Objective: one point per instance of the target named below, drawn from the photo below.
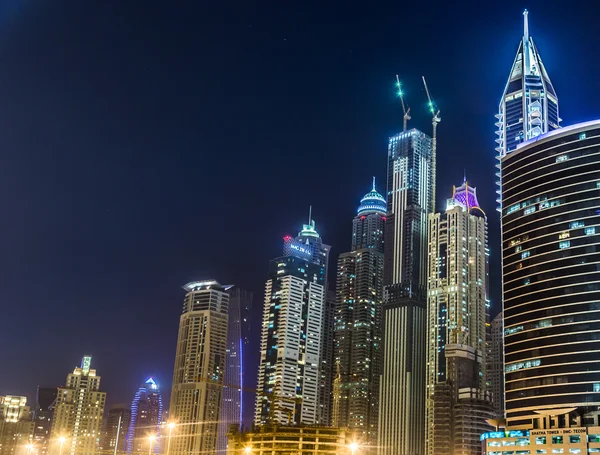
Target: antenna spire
(309, 214)
(373, 183)
(465, 176)
(526, 25)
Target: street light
(29, 448)
(171, 426)
(353, 447)
(248, 450)
(150, 444)
(62, 440)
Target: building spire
(526, 25)
(373, 183)
(309, 214)
(465, 176)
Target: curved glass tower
(551, 278)
(146, 416)
(529, 105)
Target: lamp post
(171, 426)
(150, 444)
(61, 440)
(29, 448)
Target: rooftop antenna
(373, 183)
(309, 214)
(526, 25)
(436, 119)
(406, 117)
(465, 177)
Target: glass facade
(551, 273)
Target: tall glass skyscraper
(290, 367)
(529, 105)
(409, 201)
(458, 400)
(146, 417)
(551, 279)
(357, 333)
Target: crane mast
(406, 113)
(436, 119)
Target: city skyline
(163, 359)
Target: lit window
(590, 230)
(529, 210)
(574, 440)
(564, 235)
(513, 208)
(540, 440)
(525, 254)
(565, 244)
(540, 451)
(596, 387)
(518, 248)
(575, 450)
(576, 224)
(558, 450)
(561, 158)
(582, 136)
(527, 281)
(557, 440)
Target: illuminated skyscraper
(199, 368)
(16, 426)
(115, 428)
(290, 350)
(146, 416)
(529, 105)
(458, 401)
(43, 418)
(551, 279)
(359, 299)
(496, 365)
(232, 407)
(78, 410)
(409, 201)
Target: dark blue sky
(146, 144)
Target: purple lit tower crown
(465, 196)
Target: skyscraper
(529, 105)
(146, 416)
(43, 418)
(409, 201)
(357, 345)
(199, 367)
(495, 372)
(232, 407)
(79, 409)
(551, 286)
(16, 426)
(290, 351)
(327, 366)
(116, 424)
(458, 402)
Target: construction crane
(401, 95)
(436, 119)
(270, 396)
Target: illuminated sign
(86, 362)
(301, 249)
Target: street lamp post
(150, 444)
(29, 448)
(61, 440)
(353, 448)
(171, 426)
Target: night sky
(147, 144)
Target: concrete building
(495, 373)
(289, 377)
(357, 334)
(401, 429)
(551, 282)
(114, 431)
(16, 425)
(42, 418)
(79, 410)
(297, 440)
(199, 367)
(458, 400)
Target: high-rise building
(232, 407)
(357, 331)
(43, 418)
(551, 283)
(200, 362)
(458, 401)
(529, 105)
(495, 373)
(16, 425)
(289, 376)
(401, 428)
(146, 416)
(327, 365)
(114, 432)
(78, 410)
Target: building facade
(146, 416)
(44, 410)
(297, 440)
(289, 378)
(114, 432)
(199, 367)
(357, 331)
(529, 105)
(495, 374)
(458, 400)
(79, 410)
(16, 425)
(401, 428)
(232, 407)
(551, 283)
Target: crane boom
(406, 113)
(436, 119)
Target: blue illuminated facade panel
(146, 416)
